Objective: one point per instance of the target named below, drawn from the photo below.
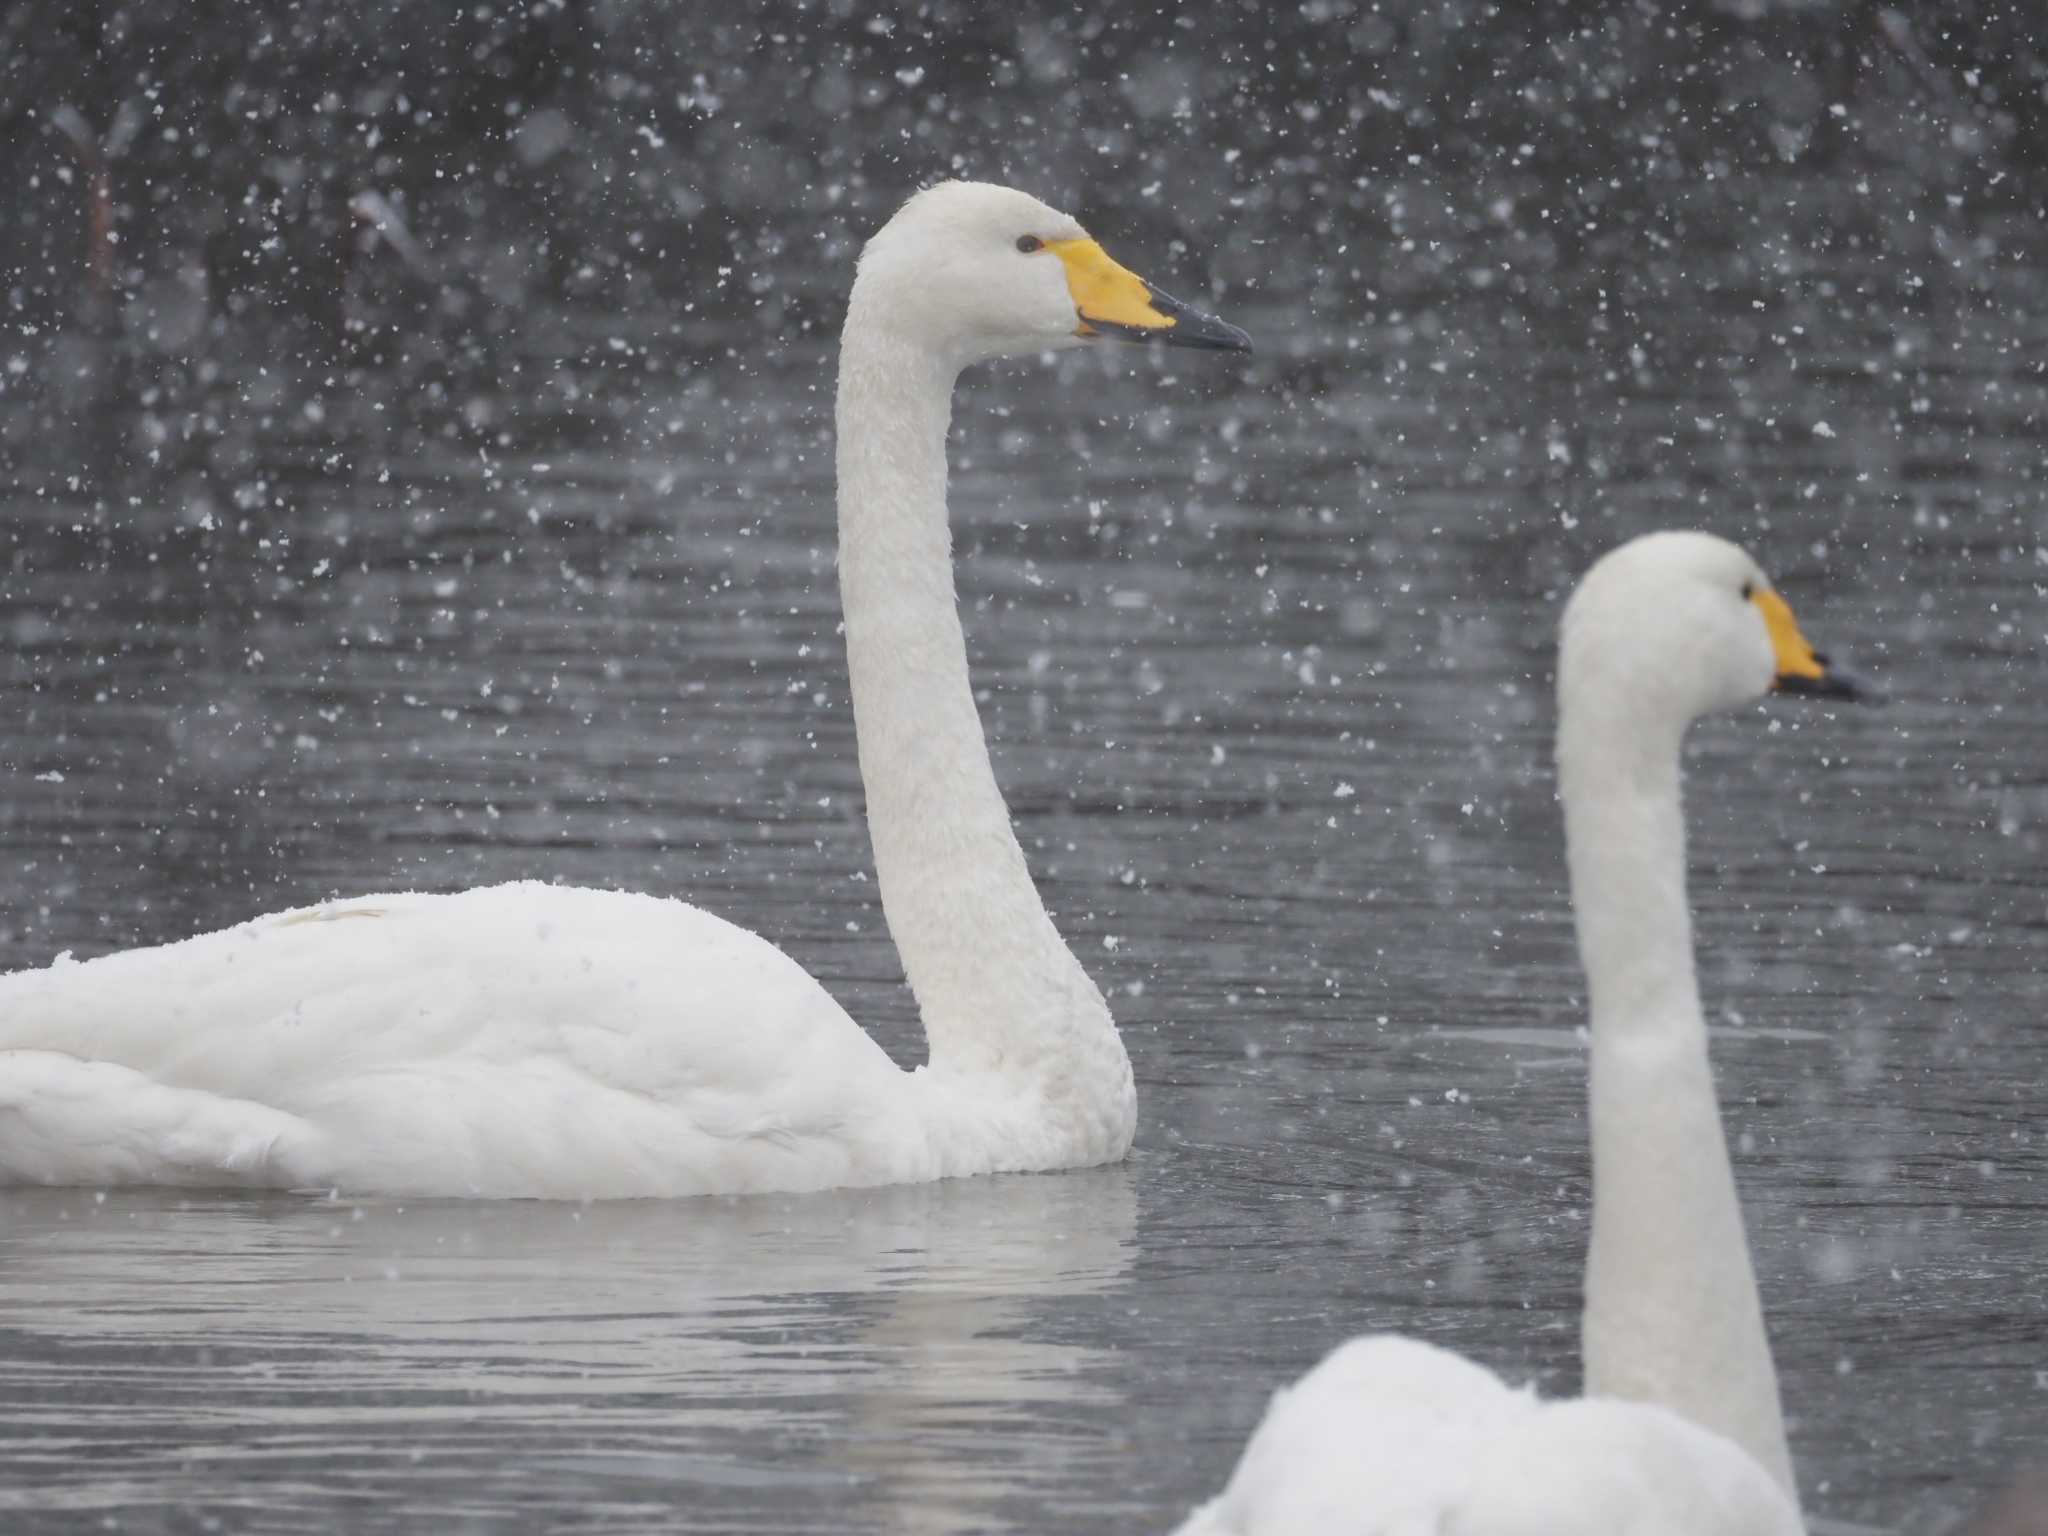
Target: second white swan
(530, 1040)
(1680, 1432)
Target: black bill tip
(1833, 683)
(1191, 327)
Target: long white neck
(1672, 1311)
(1001, 995)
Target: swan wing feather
(1393, 1437)
(1601, 1465)
(520, 1038)
(1376, 1440)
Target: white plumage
(519, 1039)
(1394, 1437)
(533, 1040)
(1680, 1432)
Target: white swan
(530, 1040)
(1679, 1433)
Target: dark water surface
(1266, 652)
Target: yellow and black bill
(1110, 300)
(1800, 668)
(1830, 683)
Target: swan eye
(1029, 243)
(1748, 590)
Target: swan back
(1394, 1437)
(1599, 1467)
(509, 1040)
(1381, 1437)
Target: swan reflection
(894, 1350)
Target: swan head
(975, 271)
(1674, 625)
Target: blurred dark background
(196, 191)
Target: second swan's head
(1673, 625)
(977, 271)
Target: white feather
(1680, 1433)
(531, 1040)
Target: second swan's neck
(1672, 1314)
(1002, 997)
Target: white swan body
(1679, 1433)
(1395, 1437)
(517, 1039)
(534, 1040)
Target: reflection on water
(816, 1354)
(1265, 655)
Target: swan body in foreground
(530, 1040)
(1680, 1432)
